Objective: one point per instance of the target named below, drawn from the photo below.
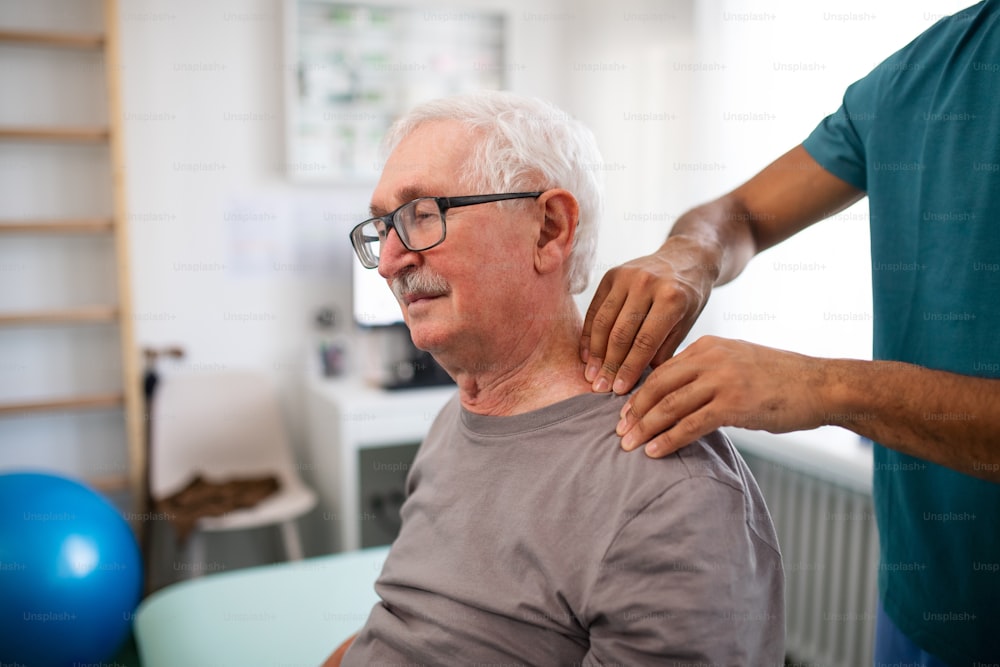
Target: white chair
(225, 425)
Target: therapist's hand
(720, 382)
(641, 312)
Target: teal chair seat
(294, 613)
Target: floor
(128, 655)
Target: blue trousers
(892, 647)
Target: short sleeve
(838, 143)
(687, 581)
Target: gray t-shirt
(535, 540)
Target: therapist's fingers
(696, 425)
(672, 421)
(649, 347)
(597, 323)
(670, 392)
(718, 382)
(629, 319)
(631, 345)
(648, 332)
(641, 312)
(616, 327)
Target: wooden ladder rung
(84, 402)
(61, 316)
(58, 226)
(73, 40)
(70, 134)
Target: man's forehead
(427, 162)
(406, 193)
(405, 177)
(421, 165)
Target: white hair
(527, 144)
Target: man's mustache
(419, 282)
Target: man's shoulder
(589, 448)
(714, 456)
(583, 428)
(711, 461)
(575, 440)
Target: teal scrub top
(921, 135)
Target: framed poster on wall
(353, 68)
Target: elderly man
(528, 536)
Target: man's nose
(394, 256)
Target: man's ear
(558, 229)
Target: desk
(349, 421)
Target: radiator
(817, 486)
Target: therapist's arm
(949, 419)
(643, 309)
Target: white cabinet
(360, 443)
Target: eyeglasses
(419, 224)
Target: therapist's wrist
(846, 392)
(694, 255)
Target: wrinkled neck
(539, 367)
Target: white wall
(773, 70)
(624, 84)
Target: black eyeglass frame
(358, 241)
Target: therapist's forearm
(643, 310)
(784, 198)
(949, 419)
(719, 235)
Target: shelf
(87, 402)
(61, 316)
(70, 134)
(63, 226)
(47, 38)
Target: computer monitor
(377, 313)
(373, 304)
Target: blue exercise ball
(70, 572)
